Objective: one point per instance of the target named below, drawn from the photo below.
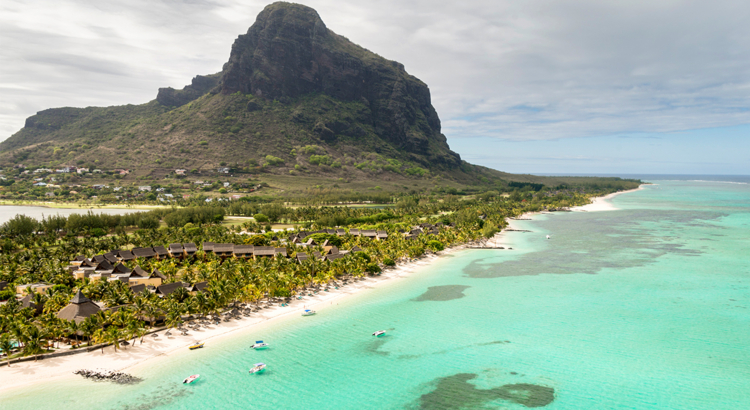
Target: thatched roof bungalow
(223, 250)
(161, 252)
(79, 308)
(190, 249)
(165, 290)
(243, 251)
(176, 250)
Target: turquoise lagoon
(645, 307)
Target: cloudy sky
(534, 86)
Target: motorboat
(191, 379)
(196, 346)
(259, 344)
(258, 368)
(308, 312)
(379, 333)
(547, 236)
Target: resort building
(39, 287)
(176, 250)
(243, 251)
(79, 308)
(190, 249)
(140, 277)
(145, 253)
(223, 250)
(165, 290)
(198, 287)
(161, 252)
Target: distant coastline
(602, 203)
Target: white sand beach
(28, 373)
(602, 203)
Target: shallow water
(641, 308)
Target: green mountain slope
(294, 96)
(295, 101)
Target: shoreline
(27, 374)
(602, 203)
(599, 204)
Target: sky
(533, 86)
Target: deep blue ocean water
(646, 307)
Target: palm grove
(41, 251)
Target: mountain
(293, 98)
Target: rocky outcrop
(108, 375)
(200, 85)
(288, 53)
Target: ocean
(646, 307)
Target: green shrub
(274, 161)
(417, 171)
(389, 262)
(311, 149)
(488, 231)
(415, 251)
(436, 246)
(203, 142)
(260, 218)
(98, 232)
(258, 240)
(372, 268)
(320, 160)
(7, 294)
(148, 223)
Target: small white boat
(191, 379)
(547, 236)
(258, 368)
(259, 345)
(379, 333)
(308, 312)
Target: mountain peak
(289, 82)
(278, 54)
(289, 53)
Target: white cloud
(535, 69)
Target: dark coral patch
(443, 293)
(455, 392)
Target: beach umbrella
(154, 335)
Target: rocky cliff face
(288, 53)
(200, 85)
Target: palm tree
(135, 329)
(113, 334)
(152, 312)
(71, 326)
(6, 345)
(88, 327)
(33, 338)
